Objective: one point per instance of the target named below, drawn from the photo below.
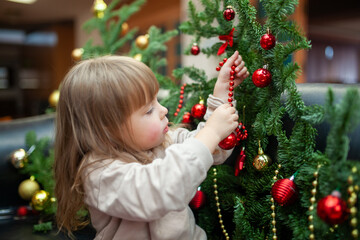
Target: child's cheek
(153, 132)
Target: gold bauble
(18, 158)
(138, 57)
(77, 53)
(99, 8)
(54, 98)
(355, 233)
(124, 28)
(39, 200)
(27, 188)
(261, 161)
(142, 41)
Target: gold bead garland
(352, 191)
(218, 206)
(312, 202)
(273, 215)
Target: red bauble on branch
(229, 142)
(198, 110)
(229, 13)
(22, 211)
(261, 77)
(239, 165)
(284, 191)
(186, 118)
(332, 209)
(268, 41)
(198, 200)
(195, 50)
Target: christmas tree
(281, 187)
(278, 185)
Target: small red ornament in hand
(195, 50)
(198, 110)
(198, 200)
(229, 142)
(284, 191)
(267, 41)
(261, 77)
(229, 13)
(332, 209)
(186, 118)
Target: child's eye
(150, 111)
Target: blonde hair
(97, 98)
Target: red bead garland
(241, 133)
(181, 101)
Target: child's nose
(164, 111)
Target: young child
(116, 157)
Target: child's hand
(221, 123)
(221, 88)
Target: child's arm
(138, 192)
(219, 97)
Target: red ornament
(22, 211)
(198, 200)
(229, 13)
(195, 50)
(186, 118)
(332, 209)
(198, 110)
(241, 132)
(240, 162)
(267, 41)
(229, 142)
(284, 191)
(261, 77)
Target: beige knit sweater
(141, 202)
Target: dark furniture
(12, 137)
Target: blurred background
(37, 39)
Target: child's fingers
(231, 60)
(240, 66)
(238, 61)
(242, 72)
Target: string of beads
(241, 132)
(352, 191)
(273, 214)
(181, 100)
(218, 206)
(312, 203)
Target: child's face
(149, 125)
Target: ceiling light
(23, 1)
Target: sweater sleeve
(180, 134)
(139, 192)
